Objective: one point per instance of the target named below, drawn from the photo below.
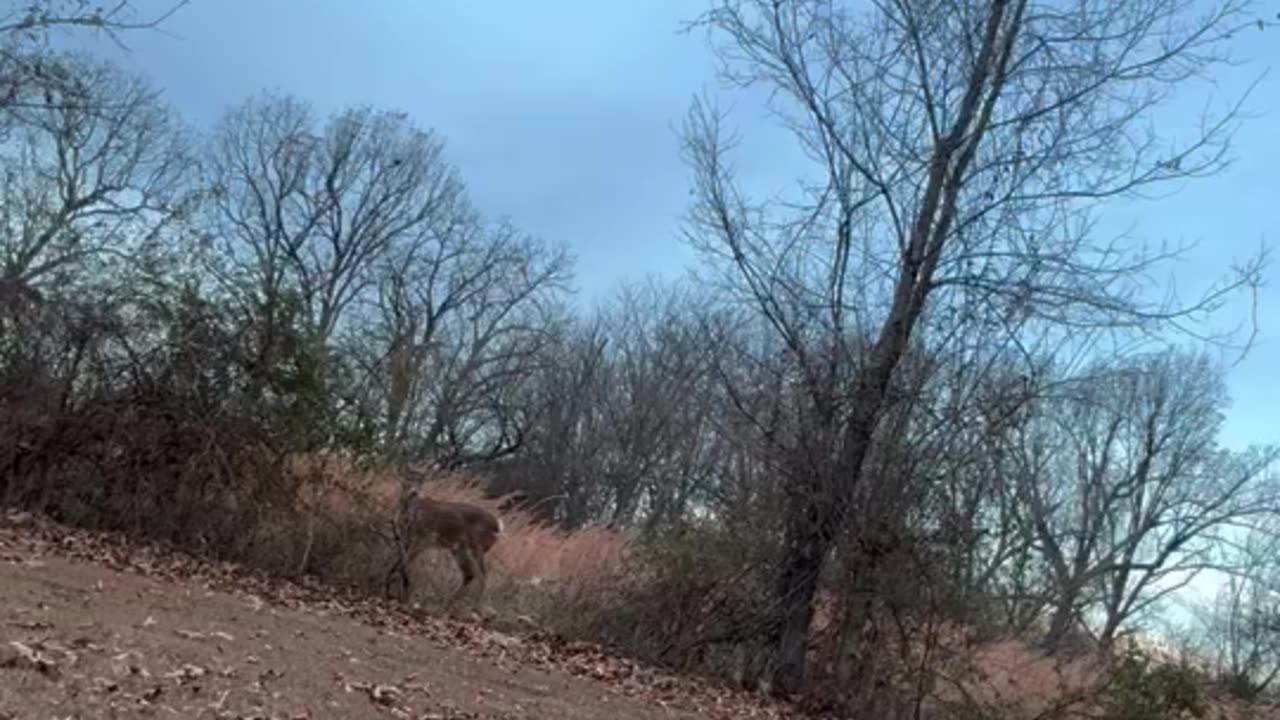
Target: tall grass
(532, 569)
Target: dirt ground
(121, 634)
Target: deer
(467, 531)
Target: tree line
(921, 386)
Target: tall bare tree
(624, 431)
(86, 180)
(958, 147)
(306, 219)
(465, 317)
(97, 183)
(314, 213)
(1126, 490)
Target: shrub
(694, 599)
(1140, 689)
(143, 461)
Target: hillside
(97, 627)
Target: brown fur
(468, 532)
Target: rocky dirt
(92, 626)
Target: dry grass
(529, 559)
(331, 483)
(551, 577)
(1012, 675)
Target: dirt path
(83, 639)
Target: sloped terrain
(94, 626)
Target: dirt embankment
(92, 626)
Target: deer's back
(451, 523)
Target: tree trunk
(1060, 625)
(813, 522)
(851, 662)
(820, 505)
(807, 547)
(814, 518)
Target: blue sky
(563, 115)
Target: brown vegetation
(912, 454)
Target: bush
(1140, 689)
(696, 600)
(142, 461)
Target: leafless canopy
(961, 149)
(26, 27)
(360, 235)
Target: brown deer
(468, 532)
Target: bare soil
(92, 626)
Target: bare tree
(464, 318)
(95, 179)
(958, 147)
(26, 27)
(316, 213)
(1126, 490)
(306, 222)
(558, 467)
(624, 429)
(1239, 629)
(42, 16)
(656, 407)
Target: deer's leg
(466, 559)
(397, 567)
(483, 573)
(404, 561)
